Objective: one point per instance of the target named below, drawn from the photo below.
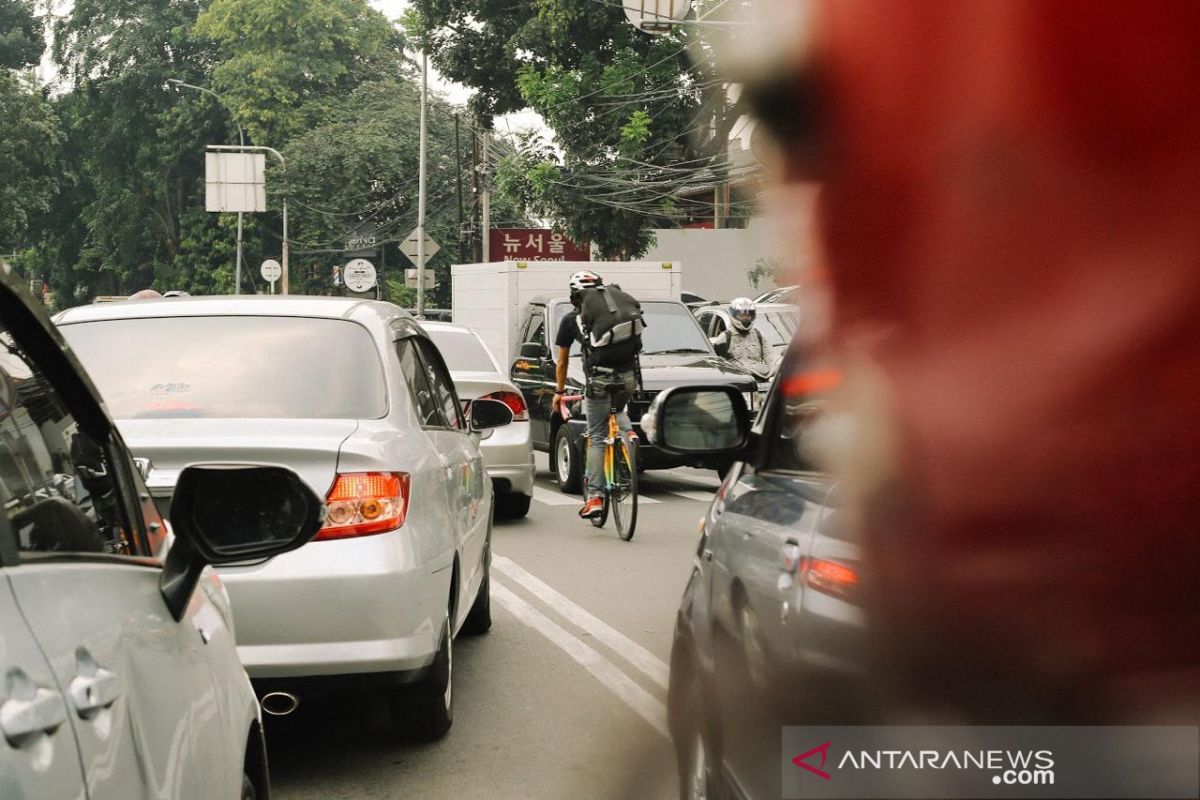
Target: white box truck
(491, 298)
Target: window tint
(442, 384)
(233, 367)
(790, 422)
(428, 410)
(670, 328)
(59, 487)
(537, 328)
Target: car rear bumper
(508, 456)
(363, 605)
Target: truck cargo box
(490, 298)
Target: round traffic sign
(271, 270)
(359, 275)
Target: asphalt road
(564, 698)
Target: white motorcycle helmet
(742, 311)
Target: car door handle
(31, 711)
(94, 693)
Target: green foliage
(625, 108)
(21, 42)
(770, 268)
(283, 60)
(29, 142)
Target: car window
(537, 328)
(462, 351)
(233, 367)
(59, 486)
(670, 328)
(789, 422)
(442, 384)
(424, 401)
(718, 324)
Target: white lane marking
(554, 498)
(642, 702)
(703, 497)
(641, 658)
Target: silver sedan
(353, 396)
(507, 451)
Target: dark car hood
(682, 369)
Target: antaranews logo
(802, 760)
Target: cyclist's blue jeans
(597, 421)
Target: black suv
(675, 352)
(771, 628)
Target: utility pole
(458, 182)
(476, 252)
(421, 189)
(487, 202)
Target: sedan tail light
(514, 401)
(365, 503)
(832, 578)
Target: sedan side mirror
(488, 414)
(533, 350)
(698, 420)
(224, 513)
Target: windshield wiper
(673, 351)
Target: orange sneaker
(592, 508)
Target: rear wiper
(673, 352)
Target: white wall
(717, 260)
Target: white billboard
(235, 182)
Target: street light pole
(421, 188)
(237, 267)
(282, 163)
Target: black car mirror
(223, 513)
(532, 350)
(488, 414)
(698, 420)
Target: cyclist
(610, 372)
(743, 343)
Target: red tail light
(364, 503)
(831, 578)
(514, 401)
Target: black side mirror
(488, 414)
(533, 350)
(223, 513)
(698, 420)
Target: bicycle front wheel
(623, 495)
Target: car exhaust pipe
(279, 704)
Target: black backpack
(612, 324)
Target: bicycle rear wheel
(623, 495)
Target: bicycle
(620, 473)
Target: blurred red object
(1012, 220)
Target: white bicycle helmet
(742, 311)
(584, 279)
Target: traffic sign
(270, 270)
(410, 279)
(409, 247)
(359, 275)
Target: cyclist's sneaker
(592, 508)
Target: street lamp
(237, 267)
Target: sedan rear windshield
(462, 351)
(232, 367)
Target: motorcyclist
(598, 397)
(744, 343)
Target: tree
(634, 120)
(21, 42)
(284, 61)
(29, 143)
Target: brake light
(514, 401)
(832, 578)
(365, 503)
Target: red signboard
(535, 244)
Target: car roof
(234, 305)
(449, 327)
(550, 299)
